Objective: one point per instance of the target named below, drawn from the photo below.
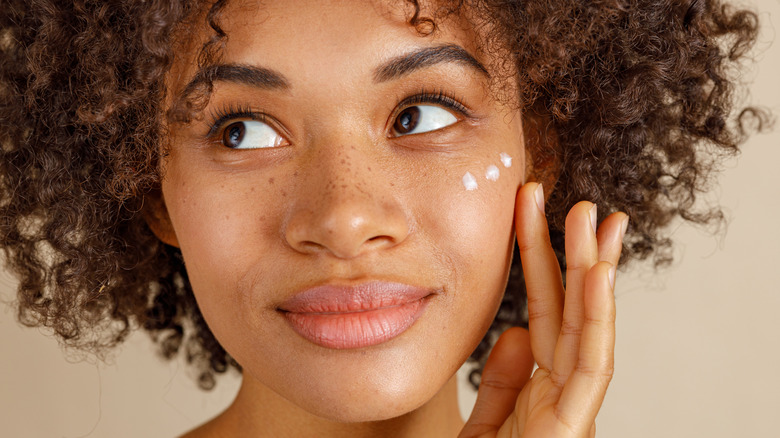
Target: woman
(282, 149)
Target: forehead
(323, 41)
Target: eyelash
(230, 112)
(437, 97)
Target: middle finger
(581, 255)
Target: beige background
(698, 348)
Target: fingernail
(612, 276)
(624, 228)
(539, 195)
(594, 217)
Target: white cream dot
(506, 159)
(469, 182)
(492, 173)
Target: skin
(340, 202)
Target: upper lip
(332, 298)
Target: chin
(368, 401)
(361, 385)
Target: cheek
(219, 227)
(474, 205)
(473, 230)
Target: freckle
(295, 173)
(252, 189)
(271, 180)
(227, 217)
(343, 186)
(284, 194)
(343, 161)
(392, 185)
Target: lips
(343, 317)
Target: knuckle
(537, 310)
(603, 320)
(529, 244)
(602, 373)
(570, 328)
(498, 381)
(577, 269)
(558, 379)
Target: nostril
(382, 240)
(311, 247)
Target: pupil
(407, 120)
(234, 134)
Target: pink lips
(342, 317)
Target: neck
(258, 411)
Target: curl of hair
(639, 95)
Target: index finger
(542, 273)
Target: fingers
(586, 386)
(572, 333)
(541, 271)
(581, 255)
(506, 372)
(610, 237)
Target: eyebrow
(426, 57)
(255, 76)
(265, 78)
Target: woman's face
(340, 253)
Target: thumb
(507, 370)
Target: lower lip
(344, 330)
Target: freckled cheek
(224, 236)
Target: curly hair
(639, 95)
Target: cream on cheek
(481, 221)
(485, 213)
(492, 173)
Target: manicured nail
(612, 276)
(539, 195)
(594, 217)
(624, 228)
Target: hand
(571, 333)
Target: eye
(251, 134)
(422, 118)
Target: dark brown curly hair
(638, 93)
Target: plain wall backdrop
(697, 344)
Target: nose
(345, 206)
